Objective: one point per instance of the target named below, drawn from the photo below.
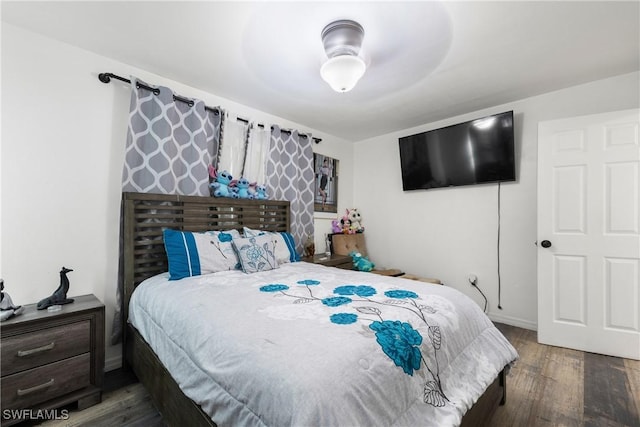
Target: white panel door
(589, 233)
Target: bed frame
(145, 217)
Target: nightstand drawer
(47, 345)
(28, 388)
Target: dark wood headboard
(147, 215)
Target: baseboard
(513, 321)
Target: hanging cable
(474, 282)
(498, 250)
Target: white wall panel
(622, 293)
(570, 199)
(621, 203)
(623, 135)
(570, 141)
(569, 289)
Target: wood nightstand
(50, 359)
(340, 261)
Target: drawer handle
(23, 353)
(35, 388)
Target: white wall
(449, 233)
(62, 151)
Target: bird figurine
(59, 297)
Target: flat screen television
(474, 152)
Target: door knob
(545, 244)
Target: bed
(301, 344)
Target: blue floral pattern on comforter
(309, 345)
(397, 339)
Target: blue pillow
(193, 254)
(291, 246)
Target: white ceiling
(426, 60)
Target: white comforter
(307, 345)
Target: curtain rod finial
(104, 77)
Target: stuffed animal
(252, 190)
(309, 247)
(7, 308)
(261, 192)
(221, 186)
(361, 263)
(356, 220)
(335, 226)
(345, 222)
(243, 189)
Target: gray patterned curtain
(289, 173)
(170, 145)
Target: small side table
(339, 261)
(50, 359)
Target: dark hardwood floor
(125, 402)
(553, 386)
(548, 386)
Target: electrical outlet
(473, 279)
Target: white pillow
(285, 246)
(256, 253)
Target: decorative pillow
(193, 254)
(256, 253)
(285, 245)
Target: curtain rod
(106, 78)
(260, 125)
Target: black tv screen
(475, 152)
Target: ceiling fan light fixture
(342, 41)
(343, 72)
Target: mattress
(306, 344)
